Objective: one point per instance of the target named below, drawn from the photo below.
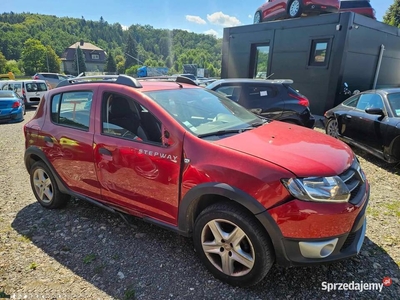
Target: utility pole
(47, 58)
(77, 59)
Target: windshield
(394, 101)
(203, 112)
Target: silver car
(51, 79)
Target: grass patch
(129, 294)
(89, 258)
(373, 212)
(394, 208)
(24, 239)
(33, 266)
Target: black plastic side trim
(166, 226)
(39, 153)
(189, 201)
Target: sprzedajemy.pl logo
(356, 286)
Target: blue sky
(204, 16)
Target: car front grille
(354, 178)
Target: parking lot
(85, 252)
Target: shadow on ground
(153, 263)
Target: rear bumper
(320, 8)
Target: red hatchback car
(248, 190)
(362, 7)
(283, 9)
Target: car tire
(45, 188)
(257, 17)
(233, 245)
(294, 9)
(332, 128)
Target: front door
(137, 171)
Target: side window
(231, 91)
(352, 101)
(123, 117)
(319, 53)
(370, 101)
(254, 93)
(68, 109)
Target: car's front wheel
(45, 188)
(332, 128)
(294, 9)
(257, 17)
(232, 245)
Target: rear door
(139, 176)
(67, 140)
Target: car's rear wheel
(233, 245)
(332, 128)
(294, 9)
(257, 17)
(45, 188)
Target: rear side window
(230, 91)
(70, 109)
(352, 101)
(256, 92)
(354, 4)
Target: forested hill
(154, 47)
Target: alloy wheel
(294, 8)
(228, 247)
(43, 185)
(332, 128)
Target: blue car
(12, 107)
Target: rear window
(36, 87)
(354, 4)
(7, 94)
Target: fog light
(317, 249)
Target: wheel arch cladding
(202, 195)
(34, 154)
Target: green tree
(12, 66)
(111, 66)
(392, 16)
(3, 63)
(79, 61)
(120, 61)
(33, 56)
(53, 62)
(131, 52)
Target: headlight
(320, 189)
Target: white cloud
(211, 32)
(220, 18)
(124, 27)
(195, 19)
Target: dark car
(12, 107)
(249, 191)
(274, 99)
(52, 79)
(362, 7)
(369, 120)
(283, 9)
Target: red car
(250, 191)
(283, 9)
(362, 7)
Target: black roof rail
(179, 79)
(118, 79)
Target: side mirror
(375, 111)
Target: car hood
(304, 152)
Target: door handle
(105, 151)
(348, 117)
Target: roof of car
(255, 80)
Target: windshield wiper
(223, 132)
